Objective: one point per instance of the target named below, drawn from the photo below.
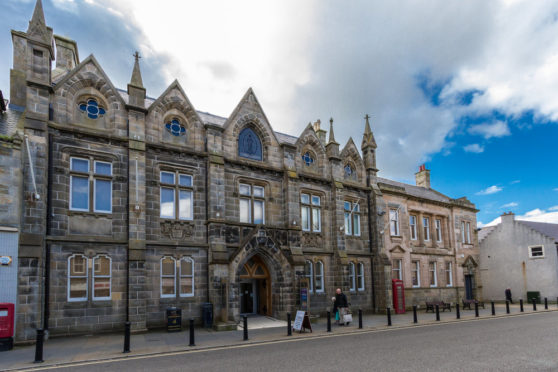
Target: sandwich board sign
(302, 321)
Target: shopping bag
(347, 318)
(337, 315)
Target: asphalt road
(520, 343)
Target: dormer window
(92, 108)
(175, 127)
(249, 145)
(307, 158)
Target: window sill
(537, 258)
(72, 212)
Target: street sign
(302, 321)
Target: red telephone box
(6, 326)
(398, 292)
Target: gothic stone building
(128, 205)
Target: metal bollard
(127, 337)
(415, 320)
(39, 346)
(493, 308)
(328, 321)
(476, 309)
(546, 303)
(359, 318)
(521, 304)
(534, 304)
(437, 313)
(245, 328)
(457, 313)
(192, 343)
(389, 316)
(507, 307)
(289, 326)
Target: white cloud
(555, 189)
(514, 182)
(496, 129)
(509, 205)
(66, 5)
(535, 215)
(555, 208)
(474, 147)
(490, 190)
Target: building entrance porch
(255, 288)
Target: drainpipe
(46, 310)
(370, 243)
(206, 219)
(128, 233)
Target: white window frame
(394, 222)
(463, 231)
(193, 263)
(426, 228)
(398, 269)
(435, 272)
(360, 276)
(468, 233)
(101, 178)
(449, 274)
(176, 188)
(109, 276)
(350, 216)
(438, 227)
(415, 267)
(319, 276)
(80, 175)
(310, 207)
(161, 276)
(310, 275)
(530, 248)
(252, 198)
(70, 277)
(413, 226)
(352, 278)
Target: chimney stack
(422, 177)
(507, 217)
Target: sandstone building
(128, 205)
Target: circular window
(307, 158)
(175, 127)
(92, 109)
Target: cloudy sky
(468, 87)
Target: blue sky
(469, 88)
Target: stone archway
(263, 249)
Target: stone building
(130, 204)
(521, 256)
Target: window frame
(109, 276)
(360, 277)
(70, 277)
(80, 174)
(252, 198)
(412, 227)
(309, 275)
(415, 267)
(180, 276)
(311, 207)
(101, 177)
(354, 214)
(352, 277)
(92, 178)
(398, 268)
(433, 273)
(438, 228)
(449, 274)
(319, 276)
(426, 228)
(260, 147)
(177, 189)
(530, 250)
(394, 228)
(161, 276)
(463, 232)
(468, 233)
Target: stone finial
(317, 125)
(136, 73)
(368, 137)
(331, 134)
(37, 24)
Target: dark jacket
(340, 301)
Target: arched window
(175, 127)
(77, 278)
(319, 277)
(92, 108)
(308, 158)
(349, 171)
(102, 269)
(249, 145)
(360, 276)
(352, 281)
(308, 273)
(168, 277)
(186, 277)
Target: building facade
(521, 256)
(129, 205)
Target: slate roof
(8, 121)
(420, 192)
(548, 229)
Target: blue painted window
(249, 145)
(308, 159)
(92, 109)
(175, 127)
(349, 172)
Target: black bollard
(328, 321)
(290, 328)
(127, 337)
(534, 304)
(415, 320)
(245, 328)
(192, 343)
(476, 309)
(493, 308)
(507, 307)
(389, 316)
(546, 303)
(437, 313)
(359, 318)
(457, 313)
(521, 304)
(39, 346)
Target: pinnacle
(331, 134)
(37, 24)
(136, 73)
(368, 137)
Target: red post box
(7, 314)
(398, 292)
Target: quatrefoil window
(307, 158)
(92, 108)
(175, 127)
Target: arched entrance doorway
(255, 287)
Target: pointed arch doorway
(255, 287)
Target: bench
(431, 305)
(467, 303)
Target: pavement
(64, 351)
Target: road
(519, 343)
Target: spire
(368, 137)
(331, 134)
(37, 24)
(136, 74)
